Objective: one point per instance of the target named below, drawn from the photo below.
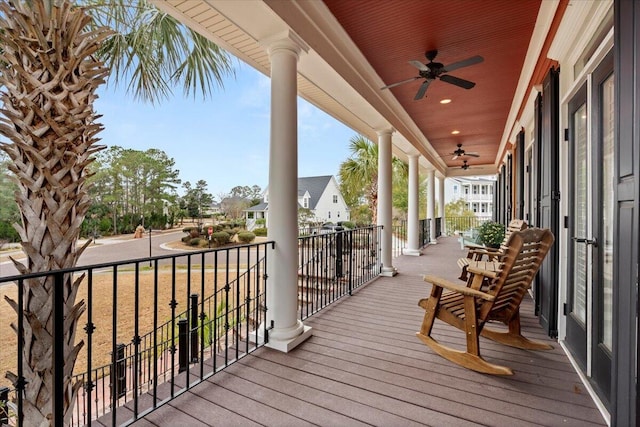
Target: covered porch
(364, 365)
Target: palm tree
(359, 174)
(50, 68)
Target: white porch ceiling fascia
(334, 76)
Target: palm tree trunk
(49, 77)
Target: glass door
(579, 217)
(590, 288)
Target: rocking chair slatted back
(478, 253)
(522, 258)
(489, 296)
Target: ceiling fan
(459, 152)
(465, 165)
(435, 70)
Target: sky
(225, 139)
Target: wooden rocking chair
(476, 253)
(489, 296)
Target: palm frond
(152, 51)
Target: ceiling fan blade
(422, 90)
(472, 154)
(464, 63)
(466, 84)
(419, 65)
(455, 157)
(399, 83)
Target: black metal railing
(333, 265)
(398, 238)
(438, 227)
(127, 302)
(424, 232)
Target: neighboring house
(320, 194)
(215, 208)
(477, 192)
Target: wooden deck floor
(365, 366)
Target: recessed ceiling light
(455, 132)
(445, 101)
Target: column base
(388, 271)
(412, 252)
(285, 340)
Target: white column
(413, 234)
(282, 268)
(441, 201)
(384, 200)
(431, 198)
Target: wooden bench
(491, 295)
(477, 253)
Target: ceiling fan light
(455, 132)
(445, 101)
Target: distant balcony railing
(454, 224)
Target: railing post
(183, 340)
(350, 243)
(4, 408)
(194, 328)
(121, 371)
(58, 395)
(339, 235)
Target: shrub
(348, 224)
(260, 231)
(246, 237)
(221, 237)
(491, 234)
(195, 241)
(186, 239)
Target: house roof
(258, 208)
(315, 185)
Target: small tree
(458, 217)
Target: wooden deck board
(364, 366)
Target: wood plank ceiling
(390, 33)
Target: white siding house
(477, 192)
(320, 194)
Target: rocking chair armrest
(486, 273)
(486, 251)
(450, 286)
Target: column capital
(383, 132)
(286, 40)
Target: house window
(483, 189)
(483, 207)
(466, 190)
(474, 207)
(455, 188)
(329, 214)
(338, 214)
(475, 189)
(305, 202)
(335, 198)
(250, 215)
